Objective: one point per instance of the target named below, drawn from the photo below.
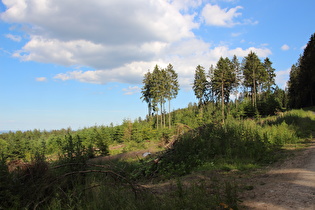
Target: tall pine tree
(146, 91)
(294, 88)
(270, 75)
(210, 88)
(159, 86)
(200, 85)
(223, 81)
(253, 71)
(172, 88)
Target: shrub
(234, 140)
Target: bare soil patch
(287, 185)
(151, 147)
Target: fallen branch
(112, 173)
(84, 164)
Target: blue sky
(80, 63)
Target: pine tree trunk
(161, 105)
(222, 100)
(169, 113)
(149, 110)
(254, 89)
(164, 121)
(157, 120)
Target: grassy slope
(225, 170)
(190, 175)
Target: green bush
(235, 140)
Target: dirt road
(290, 185)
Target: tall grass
(105, 188)
(200, 195)
(300, 121)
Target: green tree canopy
(270, 75)
(223, 81)
(159, 86)
(253, 72)
(200, 85)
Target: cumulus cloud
(285, 47)
(108, 22)
(120, 40)
(184, 56)
(130, 73)
(100, 34)
(214, 15)
(15, 38)
(86, 53)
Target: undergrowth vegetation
(70, 180)
(246, 141)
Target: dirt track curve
(290, 185)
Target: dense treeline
(302, 78)
(213, 90)
(252, 83)
(95, 140)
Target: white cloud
(130, 73)
(184, 56)
(120, 40)
(285, 47)
(107, 22)
(99, 34)
(214, 15)
(41, 79)
(131, 90)
(15, 38)
(86, 53)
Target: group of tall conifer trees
(228, 76)
(252, 78)
(217, 85)
(302, 78)
(160, 86)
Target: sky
(79, 63)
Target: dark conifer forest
(302, 78)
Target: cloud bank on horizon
(118, 40)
